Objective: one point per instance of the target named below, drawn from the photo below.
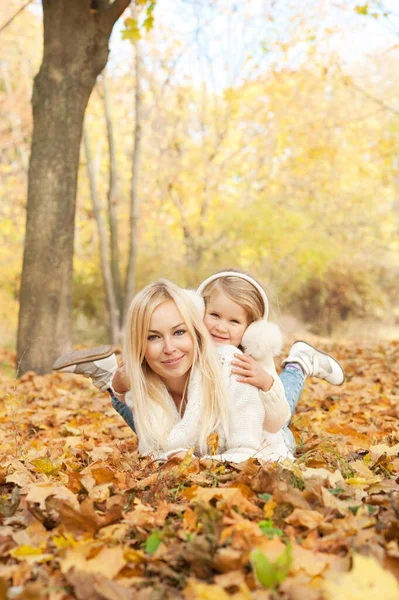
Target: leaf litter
(83, 516)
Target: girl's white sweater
(246, 417)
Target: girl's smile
(225, 320)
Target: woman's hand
(120, 382)
(250, 371)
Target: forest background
(268, 140)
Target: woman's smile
(171, 362)
(170, 348)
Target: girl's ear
(198, 301)
(262, 339)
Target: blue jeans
(293, 381)
(125, 411)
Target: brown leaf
(106, 561)
(310, 519)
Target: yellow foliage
(366, 581)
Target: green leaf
(271, 574)
(152, 543)
(354, 509)
(265, 497)
(336, 491)
(267, 528)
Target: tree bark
(75, 51)
(112, 308)
(113, 192)
(134, 198)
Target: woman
(181, 391)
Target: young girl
(236, 312)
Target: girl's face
(225, 320)
(170, 348)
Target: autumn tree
(75, 51)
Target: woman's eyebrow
(174, 327)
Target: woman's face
(170, 348)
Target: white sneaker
(98, 363)
(315, 363)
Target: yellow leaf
(108, 561)
(363, 480)
(196, 590)
(135, 556)
(63, 541)
(268, 508)
(213, 443)
(366, 581)
(44, 465)
(31, 554)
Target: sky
(223, 39)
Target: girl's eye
(180, 332)
(235, 321)
(214, 315)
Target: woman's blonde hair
(147, 387)
(240, 291)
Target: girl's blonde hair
(147, 387)
(240, 291)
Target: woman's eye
(152, 337)
(180, 332)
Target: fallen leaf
(366, 581)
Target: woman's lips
(173, 361)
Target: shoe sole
(329, 356)
(76, 357)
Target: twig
(14, 16)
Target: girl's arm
(246, 414)
(271, 389)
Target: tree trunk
(134, 198)
(110, 299)
(113, 193)
(75, 51)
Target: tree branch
(110, 16)
(7, 23)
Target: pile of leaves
(83, 516)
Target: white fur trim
(197, 300)
(251, 280)
(262, 338)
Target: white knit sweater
(246, 416)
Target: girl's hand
(120, 382)
(250, 371)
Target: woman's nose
(169, 346)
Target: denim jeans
(125, 411)
(293, 381)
